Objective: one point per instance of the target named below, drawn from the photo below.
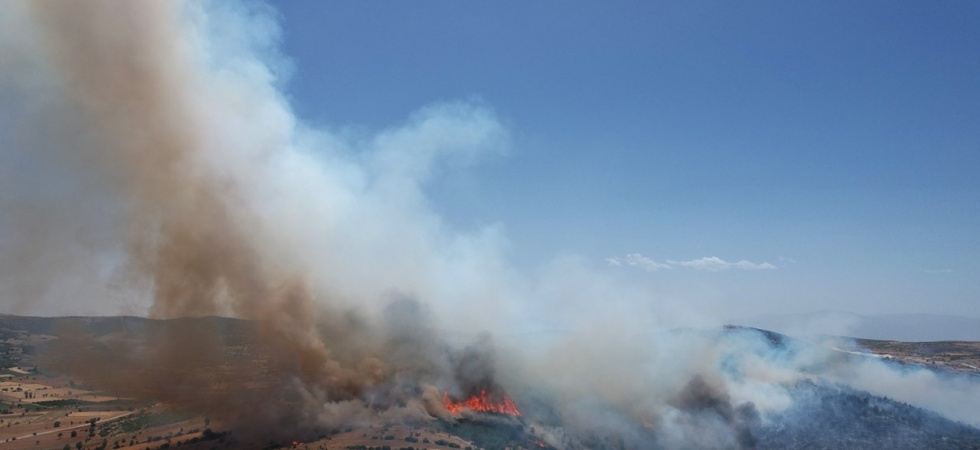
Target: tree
(66, 447)
(74, 433)
(78, 445)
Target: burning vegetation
(484, 402)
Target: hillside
(47, 410)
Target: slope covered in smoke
(839, 417)
(819, 414)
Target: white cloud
(749, 265)
(637, 260)
(614, 262)
(709, 263)
(714, 264)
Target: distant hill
(896, 327)
(100, 326)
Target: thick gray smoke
(151, 165)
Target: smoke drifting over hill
(152, 164)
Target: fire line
(484, 402)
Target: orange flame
(482, 403)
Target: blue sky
(838, 141)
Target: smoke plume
(151, 164)
(211, 200)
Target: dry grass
(14, 391)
